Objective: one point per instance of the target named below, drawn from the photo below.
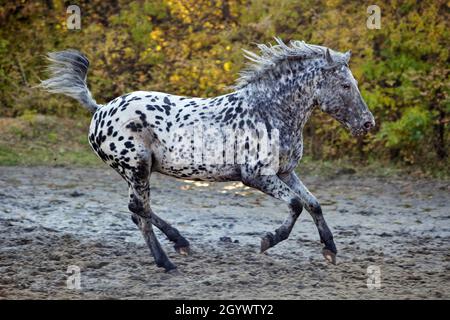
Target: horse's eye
(346, 86)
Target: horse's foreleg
(313, 207)
(275, 187)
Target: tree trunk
(226, 10)
(439, 128)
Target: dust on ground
(53, 218)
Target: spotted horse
(134, 133)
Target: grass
(47, 140)
(370, 168)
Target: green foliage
(193, 47)
(410, 129)
(407, 133)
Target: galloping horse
(144, 132)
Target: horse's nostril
(368, 125)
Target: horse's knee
(136, 206)
(314, 207)
(296, 206)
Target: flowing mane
(271, 55)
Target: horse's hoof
(184, 251)
(329, 255)
(265, 243)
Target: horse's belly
(201, 172)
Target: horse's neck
(287, 104)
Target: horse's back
(144, 123)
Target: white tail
(68, 71)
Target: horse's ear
(347, 55)
(328, 57)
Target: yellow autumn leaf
(227, 66)
(156, 34)
(174, 78)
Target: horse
(144, 132)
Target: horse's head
(339, 96)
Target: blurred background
(193, 47)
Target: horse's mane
(271, 55)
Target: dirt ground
(52, 218)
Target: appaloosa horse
(144, 132)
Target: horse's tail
(68, 70)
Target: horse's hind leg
(181, 245)
(139, 203)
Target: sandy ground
(51, 218)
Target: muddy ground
(51, 218)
